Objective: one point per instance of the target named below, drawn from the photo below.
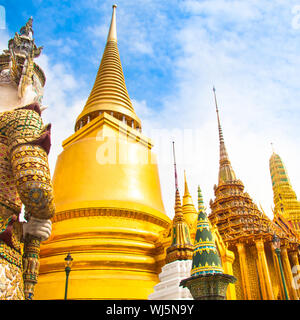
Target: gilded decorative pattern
(25, 178)
(253, 273)
(237, 273)
(31, 171)
(11, 282)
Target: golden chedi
(285, 199)
(109, 210)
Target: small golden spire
(175, 169)
(186, 188)
(177, 207)
(188, 209)
(187, 198)
(221, 138)
(181, 246)
(112, 34)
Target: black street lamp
(276, 246)
(68, 265)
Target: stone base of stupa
(208, 286)
(168, 288)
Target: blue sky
(172, 54)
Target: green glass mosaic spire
(200, 201)
(206, 259)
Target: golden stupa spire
(187, 198)
(112, 33)
(181, 247)
(226, 172)
(109, 93)
(285, 198)
(188, 209)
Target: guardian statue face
(21, 80)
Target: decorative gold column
(227, 261)
(266, 284)
(295, 262)
(278, 275)
(244, 271)
(288, 274)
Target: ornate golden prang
(285, 199)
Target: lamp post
(276, 246)
(68, 265)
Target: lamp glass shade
(68, 261)
(276, 241)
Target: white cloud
(63, 102)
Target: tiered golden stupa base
(114, 255)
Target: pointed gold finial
(272, 146)
(187, 201)
(186, 188)
(219, 122)
(175, 169)
(112, 34)
(226, 172)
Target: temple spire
(226, 172)
(187, 198)
(175, 169)
(200, 200)
(112, 33)
(181, 247)
(109, 93)
(218, 117)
